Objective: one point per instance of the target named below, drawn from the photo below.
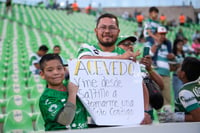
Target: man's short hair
(43, 48)
(153, 9)
(49, 57)
(107, 15)
(191, 67)
(57, 46)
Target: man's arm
(147, 117)
(127, 55)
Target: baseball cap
(161, 29)
(123, 38)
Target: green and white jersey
(52, 102)
(162, 61)
(150, 25)
(94, 50)
(188, 97)
(34, 59)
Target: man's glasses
(128, 43)
(110, 28)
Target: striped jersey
(162, 61)
(188, 97)
(94, 50)
(150, 25)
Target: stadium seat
(15, 89)
(39, 123)
(18, 102)
(36, 91)
(18, 121)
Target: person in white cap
(161, 53)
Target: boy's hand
(72, 88)
(164, 117)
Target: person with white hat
(161, 53)
(126, 42)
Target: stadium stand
(22, 31)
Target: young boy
(187, 105)
(35, 58)
(59, 105)
(151, 25)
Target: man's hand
(147, 61)
(147, 119)
(130, 55)
(170, 56)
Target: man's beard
(107, 44)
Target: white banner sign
(111, 90)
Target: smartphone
(146, 51)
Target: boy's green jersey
(52, 102)
(150, 25)
(189, 97)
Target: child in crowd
(151, 25)
(187, 107)
(35, 58)
(59, 105)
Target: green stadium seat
(18, 121)
(2, 116)
(2, 98)
(36, 91)
(18, 102)
(15, 89)
(36, 108)
(39, 123)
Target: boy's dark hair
(107, 15)
(57, 46)
(49, 57)
(191, 67)
(43, 48)
(153, 9)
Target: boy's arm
(193, 116)
(152, 35)
(66, 116)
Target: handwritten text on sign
(111, 90)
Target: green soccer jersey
(52, 102)
(188, 97)
(94, 50)
(150, 25)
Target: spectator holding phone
(156, 99)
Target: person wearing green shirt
(187, 105)
(107, 31)
(59, 105)
(151, 25)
